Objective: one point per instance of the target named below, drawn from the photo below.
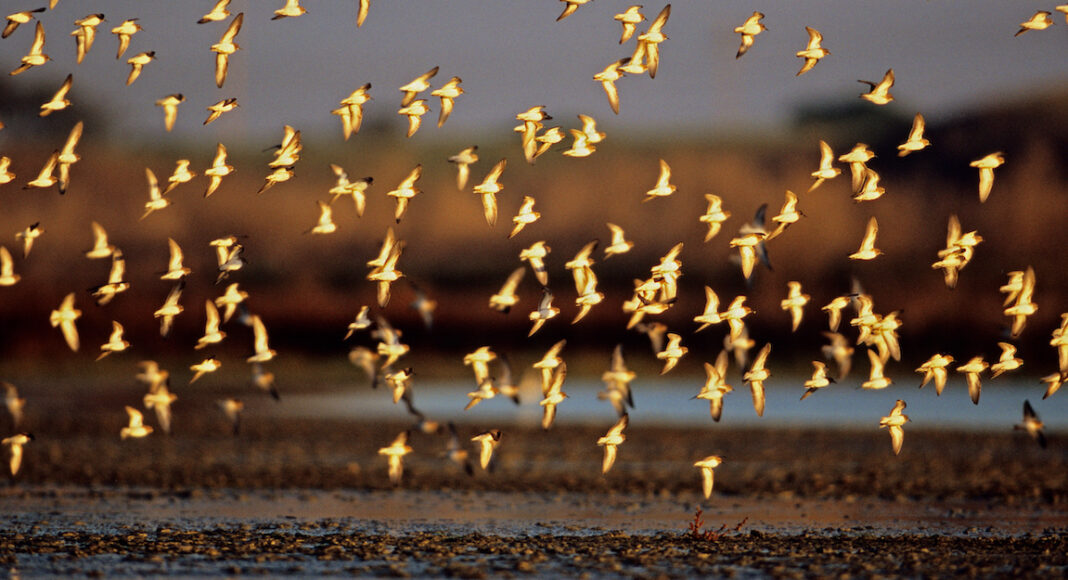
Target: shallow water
(671, 403)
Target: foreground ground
(302, 497)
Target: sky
(512, 54)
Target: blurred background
(744, 129)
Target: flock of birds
(652, 295)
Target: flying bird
(226, 47)
(880, 91)
(707, 465)
(611, 440)
(895, 422)
(59, 101)
(64, 318)
(813, 52)
(749, 29)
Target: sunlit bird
(16, 19)
(487, 443)
(880, 91)
(59, 101)
(867, 250)
(749, 29)
(463, 160)
(291, 9)
(218, 12)
(447, 94)
(894, 422)
(971, 370)
(15, 444)
(610, 441)
(137, 63)
(64, 317)
(135, 426)
(395, 453)
(986, 166)
(915, 141)
(226, 47)
(755, 376)
(813, 51)
(125, 32)
(36, 55)
(1041, 20)
(629, 19)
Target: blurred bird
(115, 343)
(416, 86)
(505, 298)
(156, 201)
(488, 189)
(1032, 425)
(232, 408)
(553, 396)
(8, 277)
(135, 426)
(663, 186)
(867, 250)
(534, 255)
(414, 112)
(649, 42)
(160, 401)
(325, 224)
(356, 189)
(707, 465)
(826, 170)
(395, 453)
(14, 403)
(448, 94)
(223, 106)
(16, 442)
(544, 312)
(876, 378)
(608, 78)
(180, 175)
(218, 12)
(208, 365)
(818, 380)
(714, 216)
(218, 170)
(85, 34)
(524, 217)
(1008, 361)
(405, 191)
(895, 422)
(212, 333)
(619, 244)
(361, 13)
(672, 352)
(291, 9)
(463, 160)
(170, 309)
(715, 386)
(611, 440)
(262, 353)
(488, 442)
(986, 166)
(570, 7)
(64, 318)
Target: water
(670, 402)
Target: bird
(170, 309)
(834, 311)
(544, 312)
(156, 201)
(28, 235)
(488, 189)
(710, 315)
(223, 106)
(16, 442)
(262, 353)
(85, 34)
(818, 380)
(447, 93)
(115, 343)
(506, 298)
(232, 408)
(160, 401)
(6, 176)
(208, 365)
(325, 224)
(1053, 383)
(416, 86)
(291, 9)
(8, 277)
(479, 361)
(867, 250)
(59, 101)
(64, 317)
(355, 189)
(714, 216)
(826, 170)
(794, 303)
(869, 188)
(395, 453)
(813, 51)
(629, 19)
(361, 12)
(351, 110)
(18, 18)
(116, 283)
(463, 161)
(553, 396)
(1032, 424)
(212, 333)
(649, 42)
(1007, 361)
(894, 422)
(405, 191)
(935, 369)
(715, 386)
(534, 255)
(610, 441)
(46, 177)
(986, 166)
(707, 465)
(570, 7)
(488, 442)
(786, 217)
(175, 268)
(876, 377)
(971, 370)
(524, 217)
(1040, 20)
(619, 244)
(137, 63)
(125, 31)
(608, 77)
(14, 403)
(916, 140)
(218, 12)
(857, 157)
(181, 175)
(880, 92)
(36, 56)
(1023, 306)
(414, 112)
(135, 426)
(218, 170)
(672, 352)
(663, 186)
(231, 298)
(755, 376)
(226, 47)
(749, 29)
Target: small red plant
(696, 533)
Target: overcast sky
(512, 54)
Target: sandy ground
(302, 497)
